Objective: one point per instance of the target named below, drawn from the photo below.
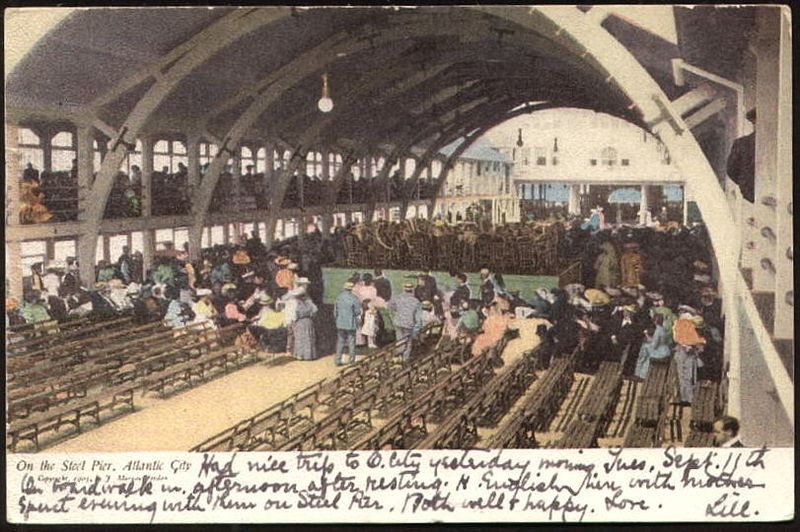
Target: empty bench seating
(537, 407)
(595, 413)
(651, 409)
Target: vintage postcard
(399, 264)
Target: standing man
(347, 311)
(407, 317)
(382, 285)
(487, 287)
(461, 293)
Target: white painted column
(685, 199)
(574, 199)
(784, 277)
(13, 171)
(643, 206)
(767, 131)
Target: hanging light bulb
(325, 103)
(519, 138)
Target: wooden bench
(31, 427)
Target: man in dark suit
(742, 161)
(461, 293)
(726, 432)
(383, 286)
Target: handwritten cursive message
(404, 486)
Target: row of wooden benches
(63, 379)
(651, 409)
(197, 360)
(596, 411)
(705, 409)
(20, 347)
(486, 407)
(408, 426)
(280, 422)
(537, 407)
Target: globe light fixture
(325, 103)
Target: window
(137, 241)
(63, 249)
(246, 158)
(115, 245)
(181, 238)
(30, 148)
(411, 165)
(314, 164)
(334, 164)
(100, 253)
(163, 236)
(31, 253)
(478, 165)
(608, 156)
(281, 157)
(261, 161)
(217, 235)
(167, 155)
(436, 168)
(593, 162)
(207, 153)
(541, 156)
(625, 162)
(134, 158)
(526, 155)
(63, 151)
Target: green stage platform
(526, 284)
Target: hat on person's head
(484, 271)
(282, 261)
(686, 309)
(298, 291)
(613, 292)
(702, 278)
(597, 297)
(655, 296)
(408, 286)
(264, 299)
(349, 285)
(542, 292)
(202, 292)
(708, 291)
(133, 288)
(116, 283)
(427, 305)
(293, 266)
(700, 265)
(302, 280)
(631, 290)
(228, 286)
(249, 275)
(629, 308)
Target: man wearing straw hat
(347, 311)
(407, 317)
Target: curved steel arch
(614, 60)
(283, 79)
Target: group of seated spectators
(48, 196)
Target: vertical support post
(13, 174)
(574, 200)
(193, 156)
(46, 136)
(147, 176)
(149, 251)
(767, 139)
(236, 181)
(784, 276)
(87, 241)
(685, 199)
(643, 205)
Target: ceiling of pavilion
(417, 72)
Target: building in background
(573, 160)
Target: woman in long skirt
(305, 338)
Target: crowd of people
(648, 294)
